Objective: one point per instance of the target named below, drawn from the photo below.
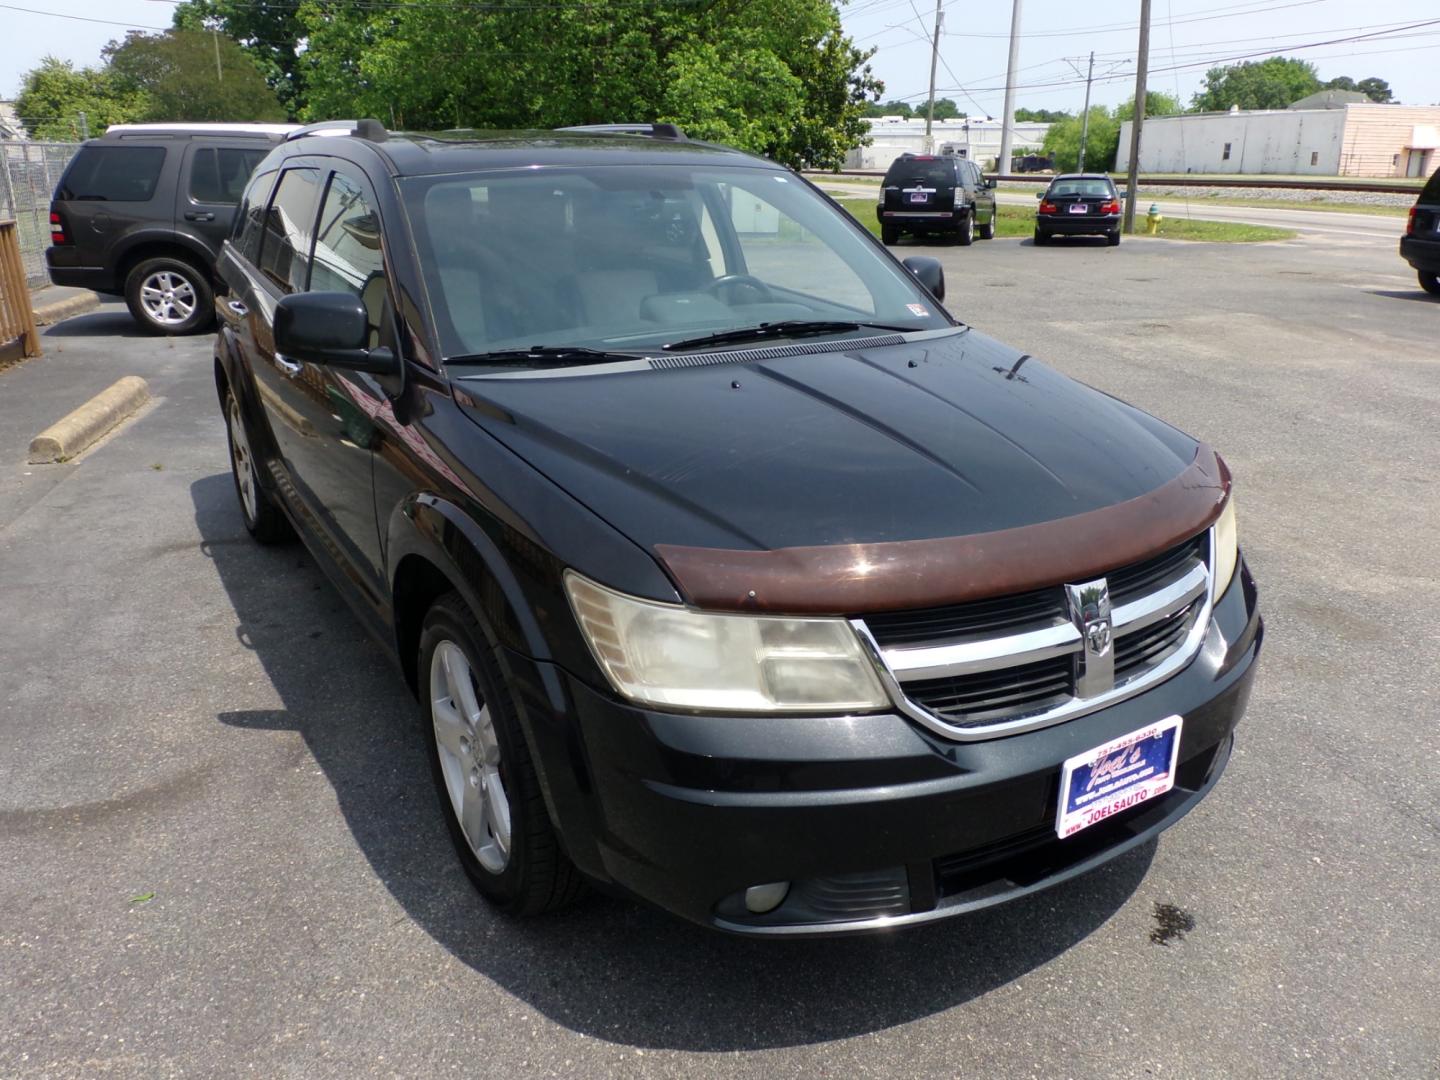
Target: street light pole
(1085, 121)
(1007, 125)
(934, 56)
(1141, 64)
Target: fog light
(762, 898)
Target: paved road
(186, 715)
(1370, 228)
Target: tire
(965, 231)
(478, 756)
(889, 235)
(1041, 239)
(1429, 282)
(987, 231)
(170, 296)
(1113, 239)
(263, 519)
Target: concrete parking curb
(69, 436)
(48, 313)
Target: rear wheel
(1041, 239)
(1430, 283)
(170, 296)
(987, 231)
(965, 232)
(889, 235)
(1113, 239)
(263, 519)
(488, 789)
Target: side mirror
(329, 328)
(929, 273)
(1040, 195)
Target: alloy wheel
(167, 297)
(469, 757)
(246, 482)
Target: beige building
(1330, 136)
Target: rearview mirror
(330, 328)
(929, 273)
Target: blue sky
(1188, 35)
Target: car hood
(944, 437)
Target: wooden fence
(18, 336)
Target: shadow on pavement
(1416, 294)
(112, 322)
(608, 968)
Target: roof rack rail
(371, 130)
(653, 131)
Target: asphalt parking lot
(222, 854)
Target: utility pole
(934, 56)
(84, 127)
(1141, 65)
(1007, 125)
(1085, 122)
(214, 33)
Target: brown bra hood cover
(854, 579)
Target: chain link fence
(28, 174)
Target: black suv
(1078, 204)
(1420, 246)
(729, 570)
(924, 194)
(142, 211)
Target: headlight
(1227, 549)
(676, 658)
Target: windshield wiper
(543, 354)
(783, 328)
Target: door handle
(195, 215)
(237, 307)
(288, 368)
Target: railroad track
(1321, 184)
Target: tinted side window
(250, 219)
(1431, 194)
(348, 256)
(113, 173)
(289, 222)
(218, 174)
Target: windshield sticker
(917, 309)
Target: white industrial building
(975, 139)
(1324, 135)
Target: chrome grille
(1015, 663)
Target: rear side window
(1431, 194)
(218, 174)
(250, 218)
(113, 174)
(289, 225)
(930, 171)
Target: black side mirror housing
(1040, 195)
(330, 328)
(929, 273)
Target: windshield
(633, 258)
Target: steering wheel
(749, 281)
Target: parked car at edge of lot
(141, 212)
(925, 194)
(1420, 246)
(1078, 204)
(730, 571)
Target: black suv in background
(142, 211)
(1078, 204)
(729, 570)
(924, 194)
(1420, 246)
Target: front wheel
(489, 792)
(965, 233)
(170, 296)
(1430, 282)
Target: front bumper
(876, 821)
(1079, 225)
(1421, 253)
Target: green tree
(270, 31)
(1376, 90)
(189, 75)
(945, 109)
(1343, 82)
(1062, 141)
(54, 95)
(888, 108)
(1041, 116)
(782, 80)
(1272, 83)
